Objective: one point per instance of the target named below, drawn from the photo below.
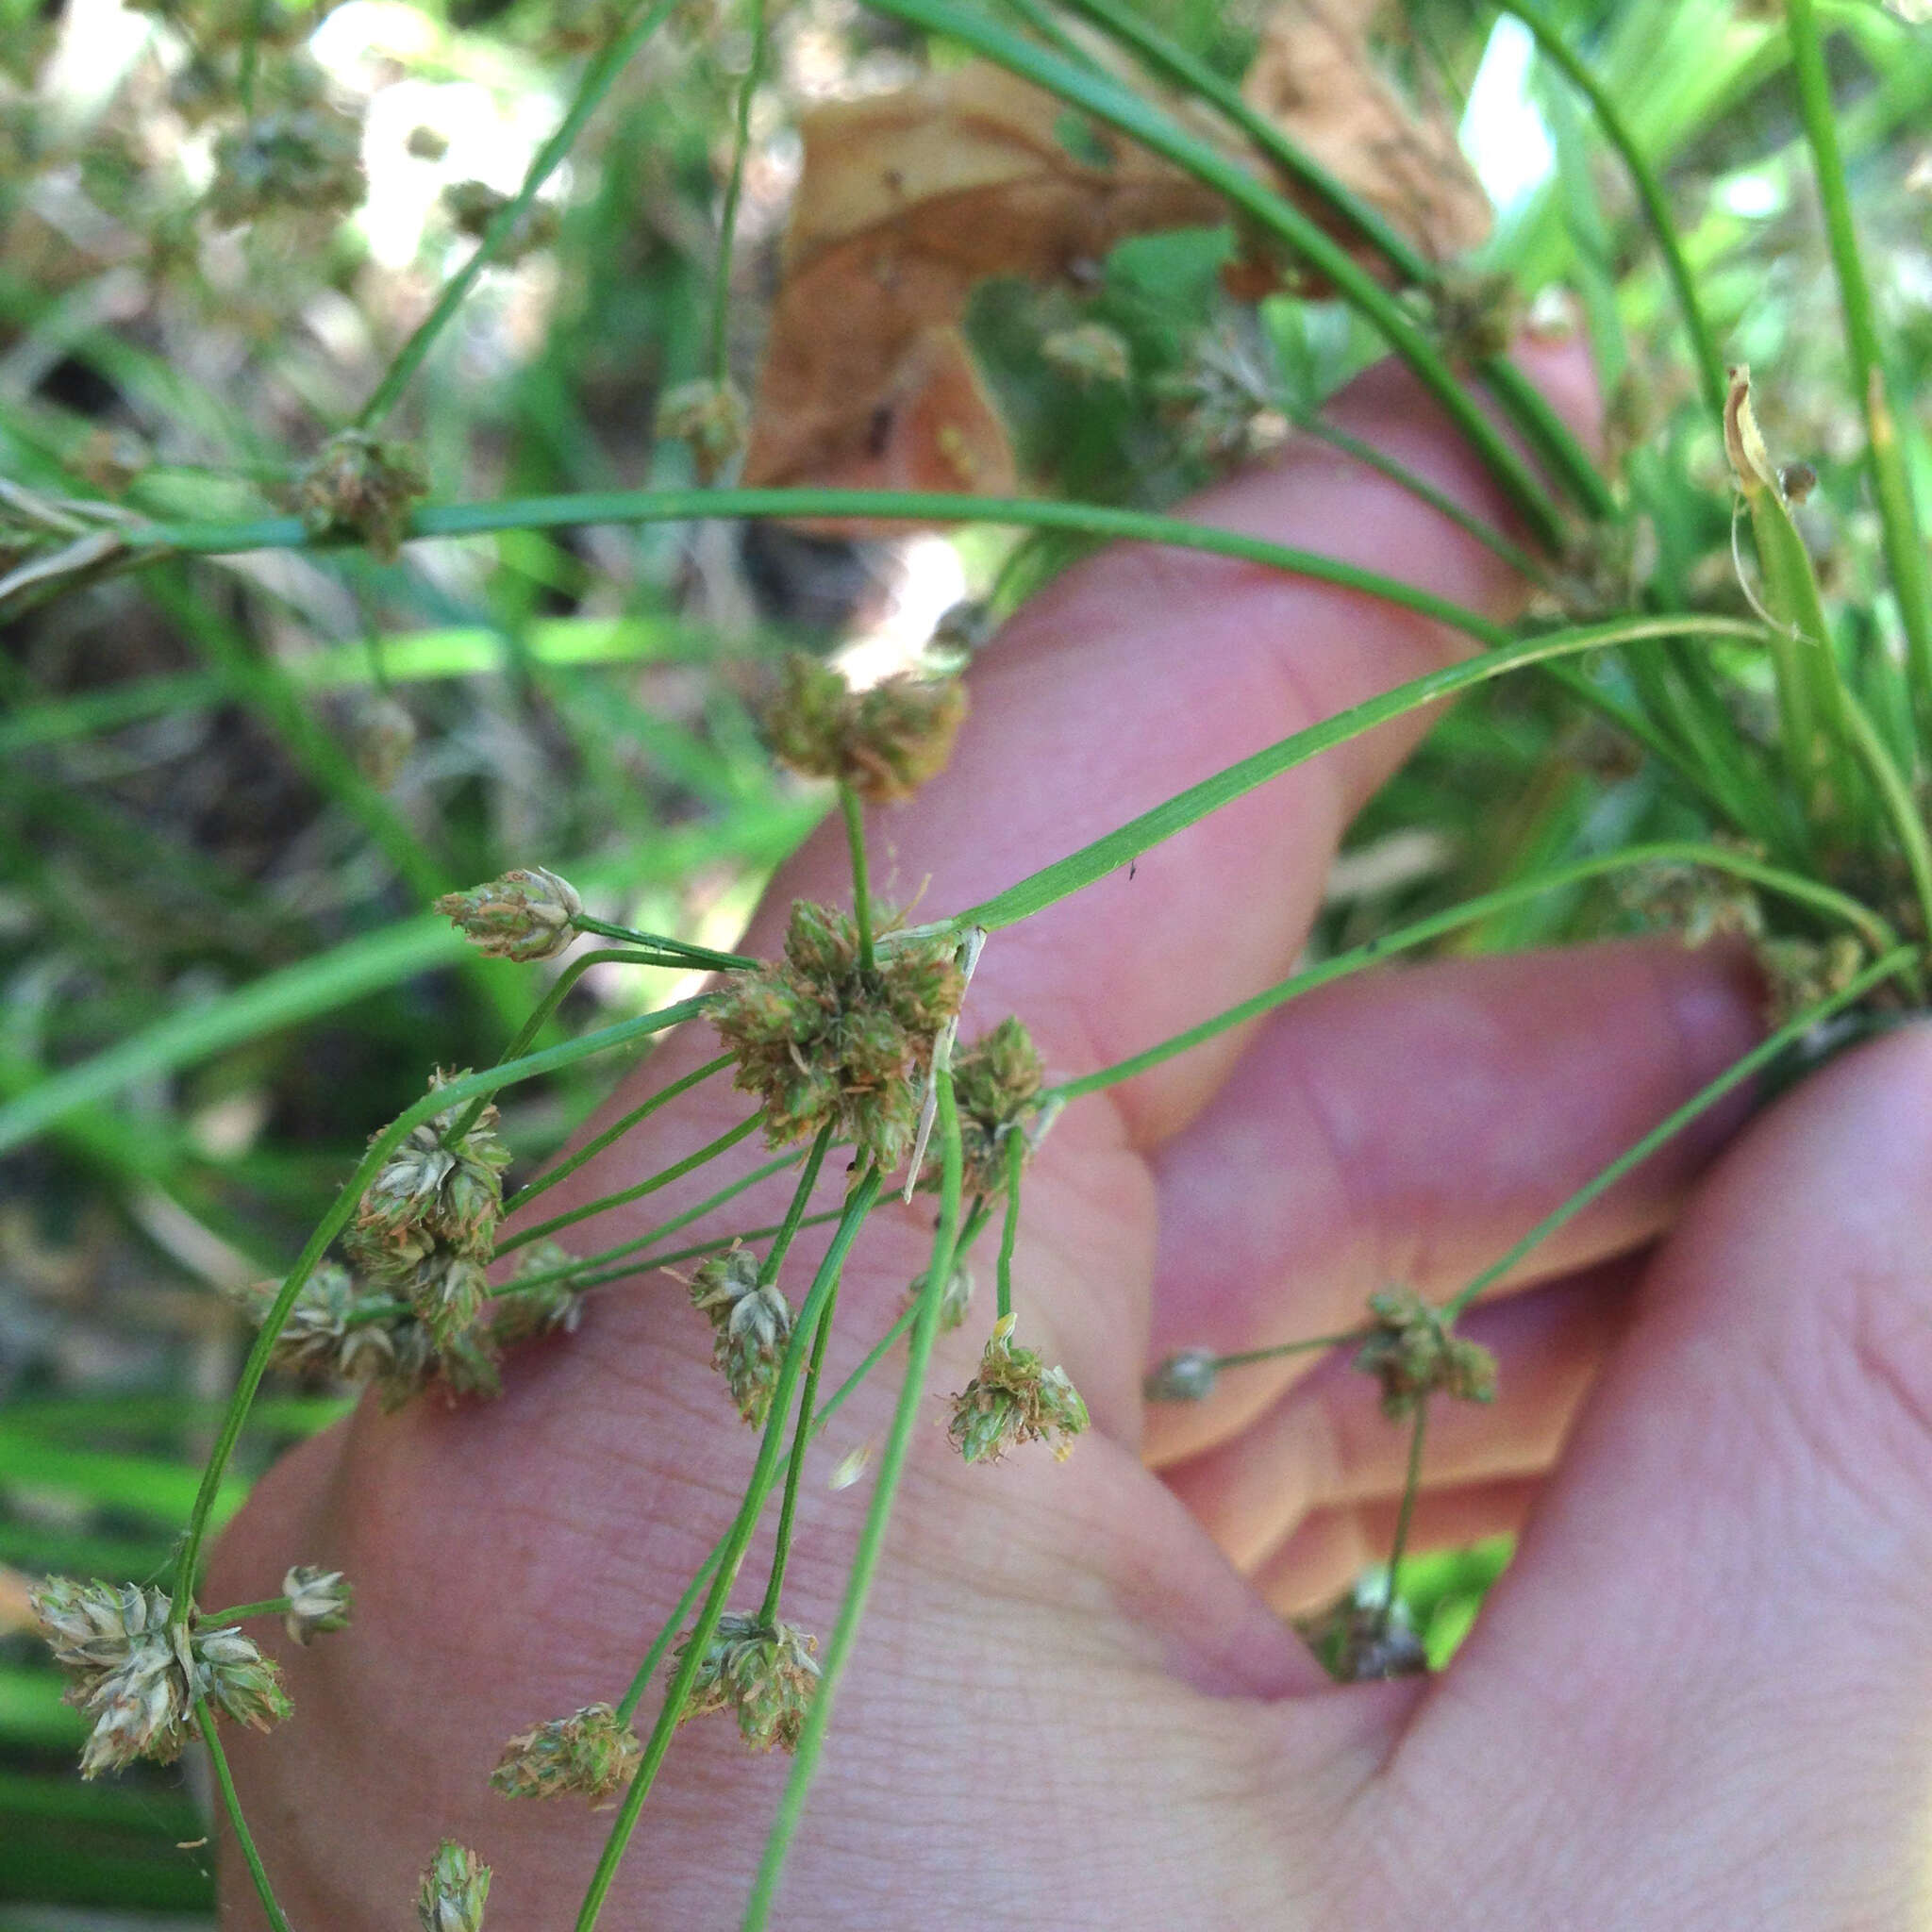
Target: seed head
(590, 1752)
(752, 1323)
(1414, 1353)
(318, 1600)
(432, 1194)
(955, 1298)
(884, 743)
(763, 1674)
(474, 205)
(306, 157)
(712, 416)
(524, 915)
(381, 737)
(1015, 1399)
(1186, 1376)
(361, 486)
(996, 1085)
(818, 1040)
(553, 1307)
(1477, 316)
(232, 1673)
(454, 1884)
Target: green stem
(1247, 1356)
(788, 1505)
(231, 1803)
(251, 57)
(1897, 800)
(1710, 366)
(268, 1607)
(731, 1552)
(596, 83)
(663, 1178)
(1106, 854)
(455, 1093)
(734, 189)
(1905, 543)
(679, 952)
(801, 1196)
(1790, 885)
(1404, 1515)
(1010, 1230)
(861, 886)
(1104, 521)
(1900, 961)
(528, 1032)
(885, 1491)
(592, 1148)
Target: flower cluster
(764, 1673)
(955, 1298)
(318, 1601)
(137, 1674)
(552, 1306)
(524, 915)
(362, 486)
(821, 1040)
(1015, 1398)
(712, 416)
(305, 156)
(1413, 1353)
(591, 1753)
(884, 743)
(996, 1083)
(456, 1882)
(1186, 1376)
(474, 205)
(752, 1323)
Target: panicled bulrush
(996, 1085)
(319, 1601)
(524, 915)
(591, 1754)
(955, 1298)
(455, 1885)
(306, 157)
(1015, 1398)
(550, 1308)
(764, 1673)
(361, 486)
(884, 743)
(1413, 1353)
(137, 1677)
(752, 1323)
(1188, 1375)
(712, 417)
(820, 1039)
(432, 1195)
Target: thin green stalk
(801, 1196)
(1106, 855)
(677, 952)
(1105, 521)
(592, 1148)
(788, 1505)
(1905, 541)
(1896, 798)
(1247, 1356)
(528, 1032)
(861, 886)
(231, 1803)
(1710, 365)
(1899, 961)
(455, 1093)
(1875, 931)
(662, 1179)
(731, 1554)
(865, 1557)
(1404, 1516)
(596, 83)
(251, 57)
(734, 189)
(1009, 1231)
(268, 1607)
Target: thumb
(1708, 1674)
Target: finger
(1327, 1443)
(1146, 669)
(1408, 1126)
(1743, 1529)
(1335, 1547)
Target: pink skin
(1699, 1698)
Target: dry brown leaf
(909, 200)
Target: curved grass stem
(734, 190)
(237, 1823)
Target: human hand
(1696, 1699)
